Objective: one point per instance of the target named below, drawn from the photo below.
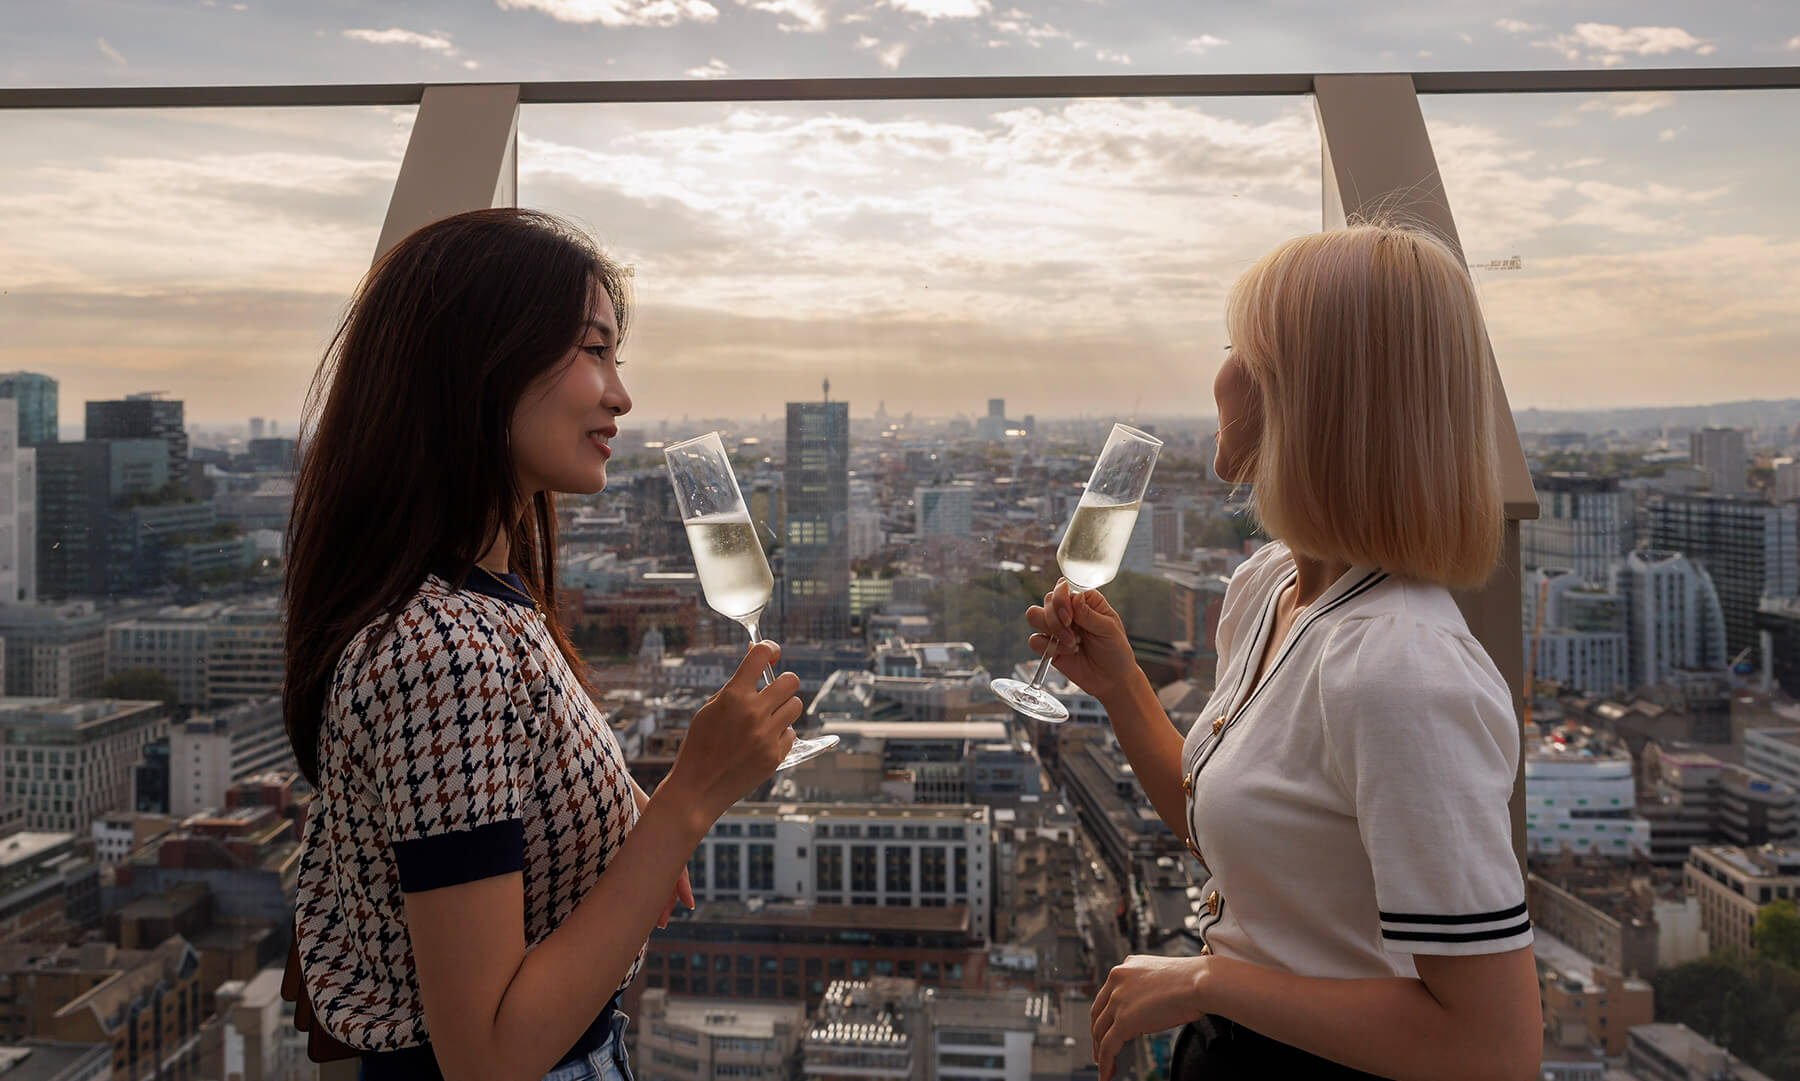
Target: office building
(1733, 884)
(68, 762)
(867, 537)
(1774, 753)
(37, 408)
(144, 416)
(1580, 798)
(1778, 643)
(1786, 488)
(897, 1030)
(1675, 617)
(212, 654)
(211, 752)
(944, 511)
(1580, 636)
(1584, 524)
(698, 1039)
(49, 890)
(859, 855)
(815, 573)
(18, 510)
(79, 485)
(1748, 547)
(1720, 452)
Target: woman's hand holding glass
(1087, 637)
(736, 739)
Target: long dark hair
(406, 468)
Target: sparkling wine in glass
(1093, 547)
(734, 574)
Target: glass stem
(768, 675)
(1043, 668)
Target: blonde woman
(1347, 786)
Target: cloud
(809, 16)
(1629, 104)
(1111, 56)
(437, 42)
(1022, 25)
(889, 55)
(1608, 45)
(1667, 135)
(1201, 45)
(1465, 38)
(943, 9)
(712, 69)
(1794, 42)
(109, 52)
(1517, 26)
(618, 12)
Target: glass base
(804, 749)
(1033, 702)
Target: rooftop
(977, 731)
(731, 1017)
(931, 812)
(951, 919)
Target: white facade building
(859, 854)
(1675, 619)
(208, 754)
(1579, 796)
(18, 510)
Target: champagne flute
(734, 574)
(1093, 547)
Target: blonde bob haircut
(1370, 362)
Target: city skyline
(1074, 255)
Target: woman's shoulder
(436, 619)
(1410, 636)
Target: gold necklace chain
(512, 588)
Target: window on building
(899, 868)
(962, 870)
(727, 867)
(762, 867)
(828, 868)
(862, 869)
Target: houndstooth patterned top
(461, 747)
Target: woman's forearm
(1153, 747)
(1394, 1028)
(554, 994)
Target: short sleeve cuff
(1457, 934)
(451, 859)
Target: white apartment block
(69, 762)
(858, 854)
(1580, 797)
(210, 753)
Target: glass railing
(985, 286)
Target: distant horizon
(73, 432)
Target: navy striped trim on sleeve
(1469, 927)
(451, 859)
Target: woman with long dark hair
(479, 873)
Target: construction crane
(1537, 628)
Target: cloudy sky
(1070, 256)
